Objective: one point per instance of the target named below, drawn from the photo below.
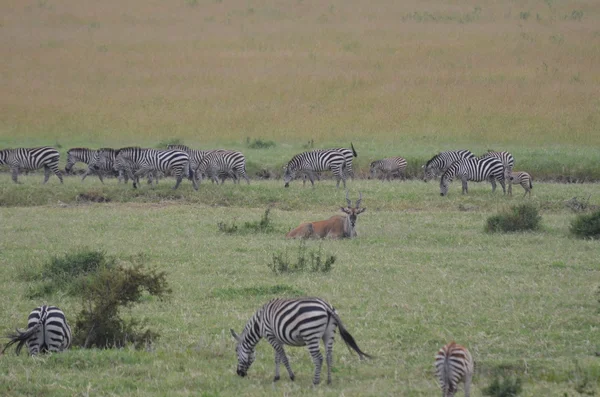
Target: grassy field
(395, 78)
(421, 273)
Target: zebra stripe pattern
(453, 364)
(138, 162)
(79, 154)
(316, 161)
(439, 163)
(476, 170)
(222, 164)
(47, 331)
(507, 160)
(523, 179)
(388, 167)
(105, 160)
(32, 159)
(293, 322)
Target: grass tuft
(310, 261)
(504, 387)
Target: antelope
(338, 226)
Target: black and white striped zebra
(78, 154)
(507, 160)
(308, 163)
(32, 159)
(293, 322)
(439, 163)
(105, 160)
(47, 331)
(139, 162)
(453, 364)
(524, 179)
(388, 167)
(221, 164)
(476, 170)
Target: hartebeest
(338, 226)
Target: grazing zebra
(476, 170)
(47, 331)
(522, 178)
(316, 161)
(439, 163)
(138, 162)
(453, 363)
(507, 159)
(31, 159)
(388, 167)
(221, 164)
(293, 322)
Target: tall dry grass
(119, 73)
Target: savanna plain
(394, 78)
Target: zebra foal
(388, 167)
(523, 179)
(293, 322)
(476, 170)
(439, 163)
(31, 159)
(47, 331)
(453, 364)
(316, 161)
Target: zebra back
(453, 364)
(507, 159)
(47, 331)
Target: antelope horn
(359, 199)
(348, 200)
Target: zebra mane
(431, 159)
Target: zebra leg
(468, 384)
(328, 342)
(501, 182)
(493, 182)
(317, 357)
(46, 174)
(179, 176)
(311, 178)
(279, 352)
(15, 174)
(465, 187)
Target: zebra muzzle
(241, 373)
(287, 185)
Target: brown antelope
(338, 226)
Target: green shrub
(259, 143)
(507, 387)
(519, 218)
(311, 261)
(586, 226)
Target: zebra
(78, 154)
(439, 163)
(138, 162)
(293, 322)
(32, 159)
(453, 363)
(507, 160)
(347, 153)
(105, 159)
(316, 161)
(223, 163)
(388, 167)
(522, 178)
(476, 170)
(47, 331)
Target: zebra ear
(235, 336)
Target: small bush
(259, 143)
(228, 228)
(586, 226)
(520, 218)
(64, 273)
(503, 387)
(311, 261)
(263, 226)
(99, 323)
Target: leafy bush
(99, 323)
(518, 218)
(64, 273)
(586, 226)
(507, 387)
(259, 143)
(311, 261)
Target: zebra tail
(349, 339)
(530, 184)
(353, 151)
(21, 337)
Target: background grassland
(421, 273)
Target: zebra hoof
(275, 379)
(292, 377)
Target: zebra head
(374, 167)
(245, 354)
(429, 172)
(288, 174)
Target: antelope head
(353, 212)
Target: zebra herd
(218, 165)
(281, 321)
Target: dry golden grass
(116, 73)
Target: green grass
(421, 273)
